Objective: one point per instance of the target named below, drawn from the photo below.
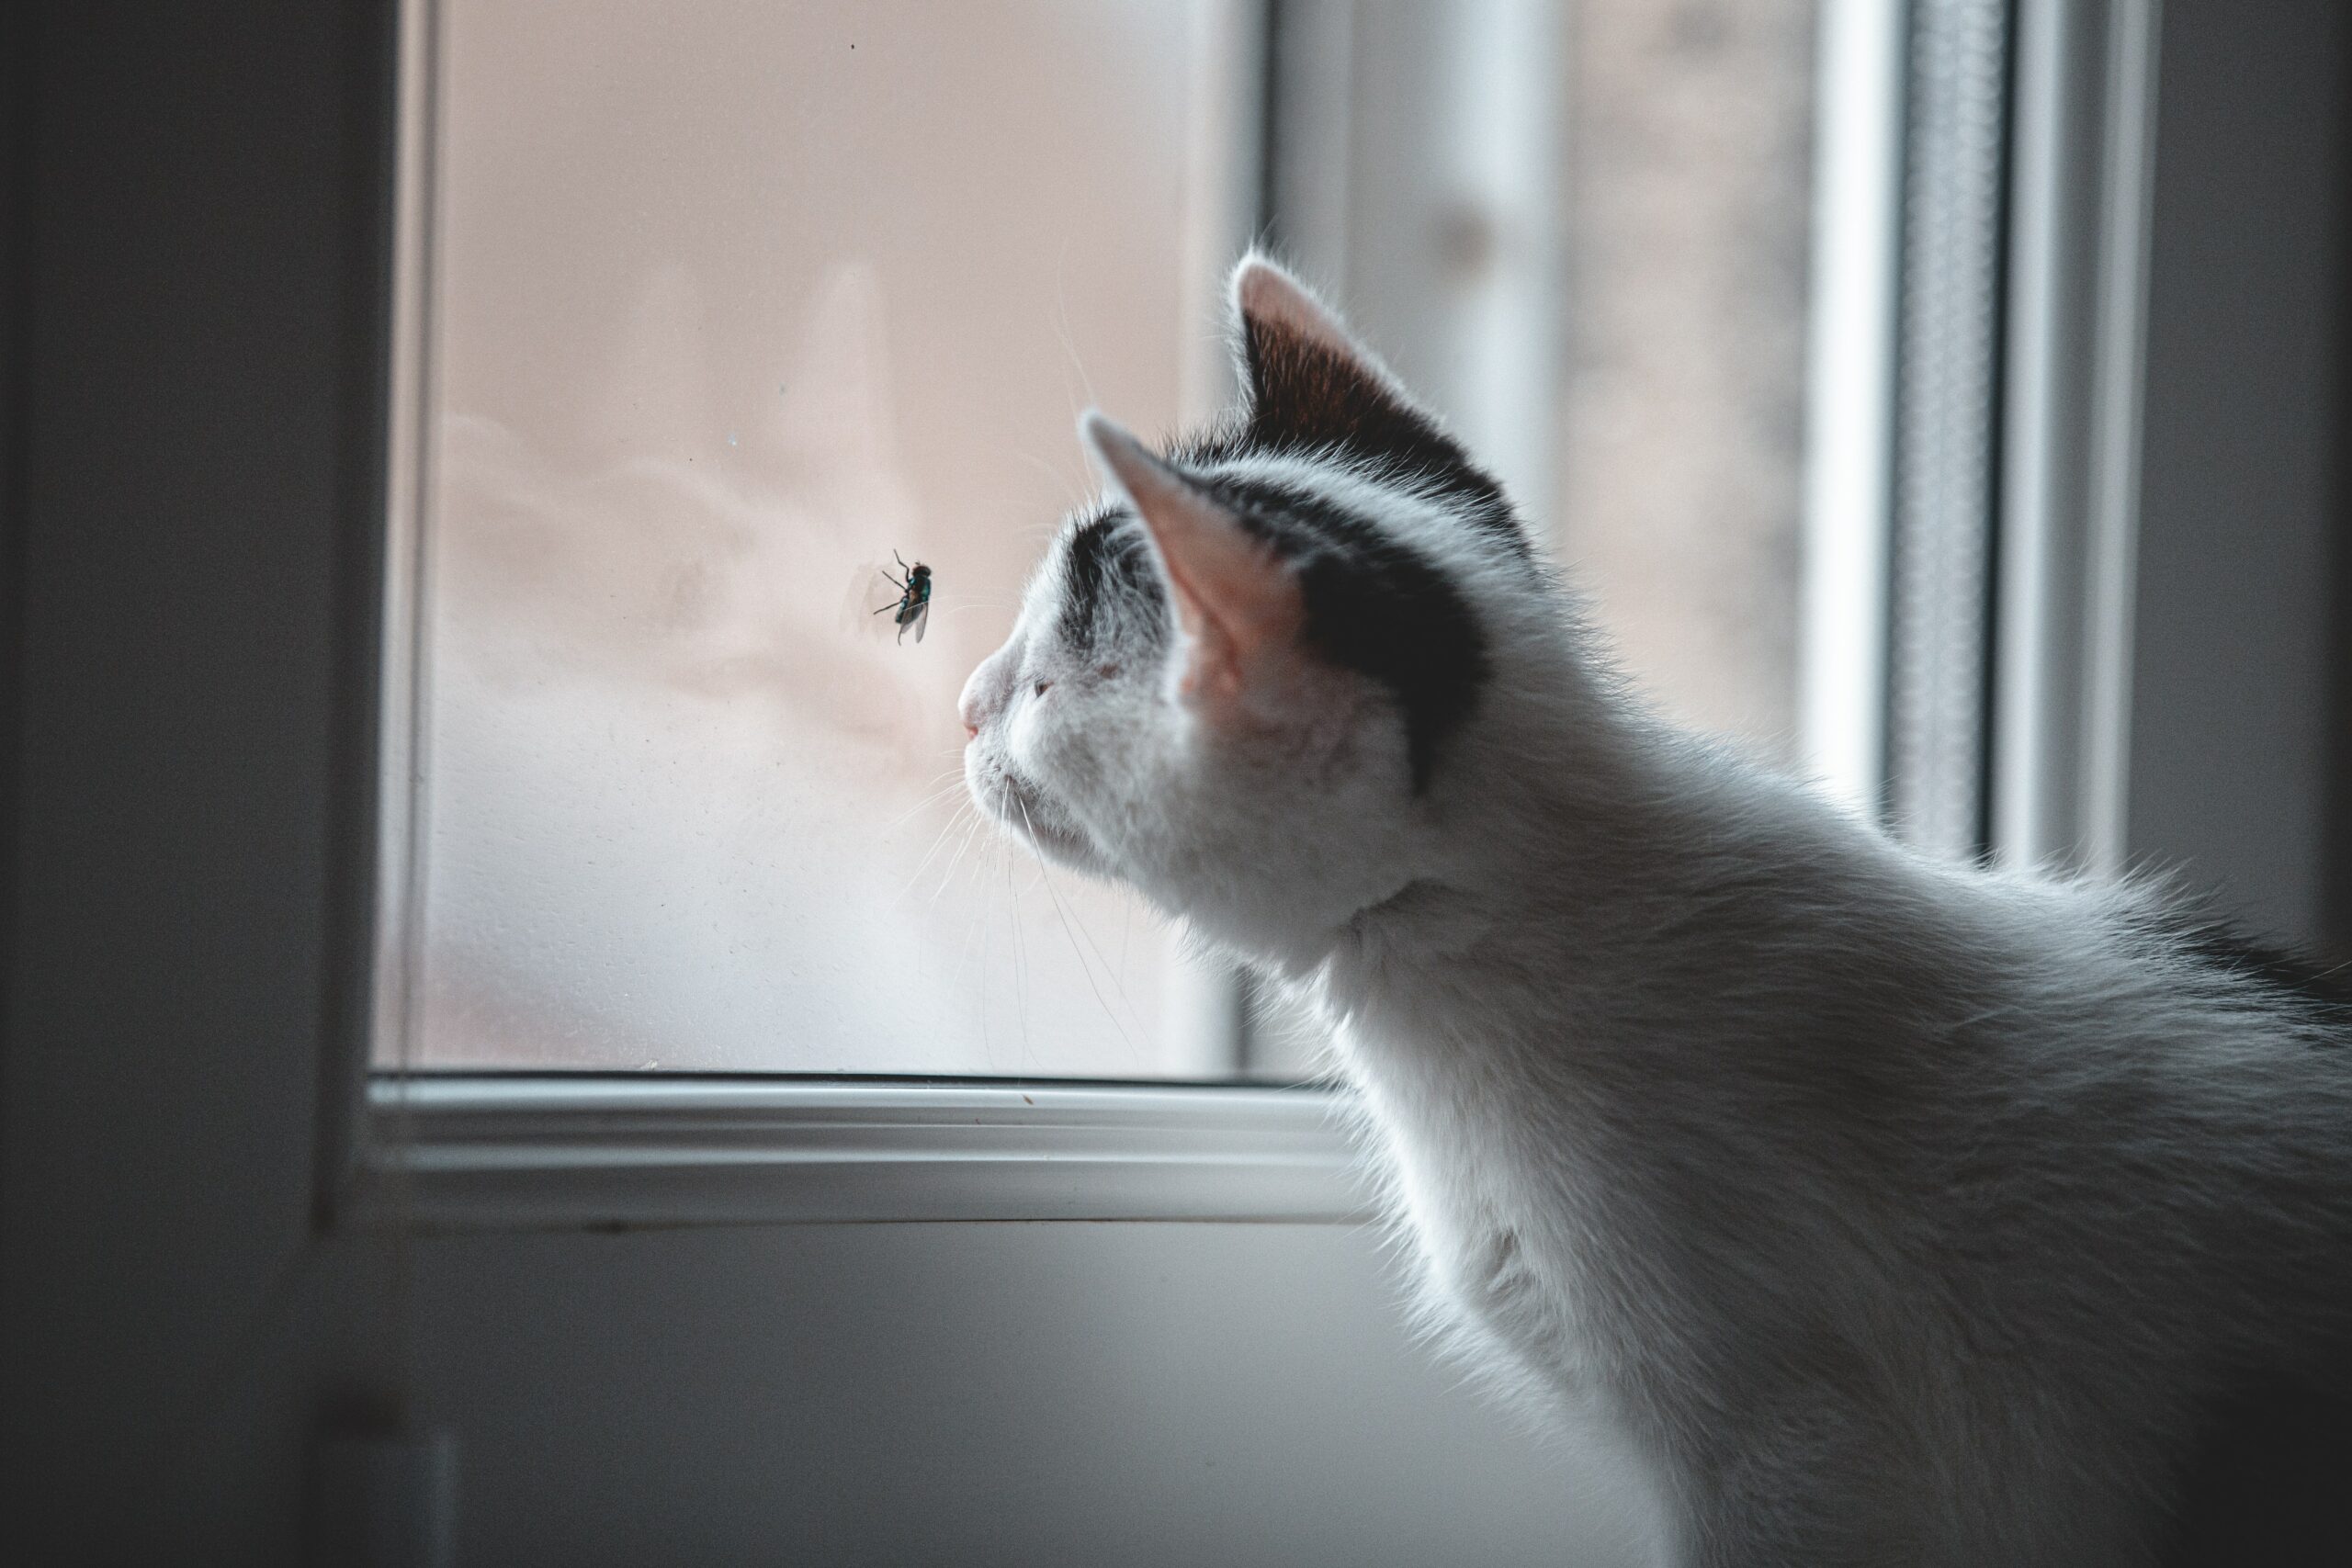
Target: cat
(1889, 1209)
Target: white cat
(1894, 1211)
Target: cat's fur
(1894, 1210)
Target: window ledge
(473, 1154)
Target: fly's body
(913, 608)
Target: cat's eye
(1039, 689)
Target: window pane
(1681, 429)
(733, 300)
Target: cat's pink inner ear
(1236, 599)
(1268, 297)
(1309, 383)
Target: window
(719, 307)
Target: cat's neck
(1580, 817)
(1562, 896)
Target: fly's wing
(923, 617)
(872, 595)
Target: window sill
(458, 1153)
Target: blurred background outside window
(732, 301)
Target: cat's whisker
(1062, 332)
(951, 780)
(1019, 969)
(1062, 910)
(1036, 870)
(1072, 498)
(938, 793)
(965, 817)
(947, 873)
(972, 825)
(1070, 919)
(938, 839)
(977, 931)
(971, 930)
(969, 818)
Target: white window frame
(2082, 188)
(1849, 398)
(477, 1152)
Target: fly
(913, 608)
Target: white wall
(996, 1394)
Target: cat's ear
(1238, 603)
(1311, 384)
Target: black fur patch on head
(1304, 397)
(1372, 606)
(1107, 569)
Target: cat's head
(1245, 683)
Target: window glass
(734, 301)
(1681, 410)
(734, 305)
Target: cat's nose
(969, 707)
